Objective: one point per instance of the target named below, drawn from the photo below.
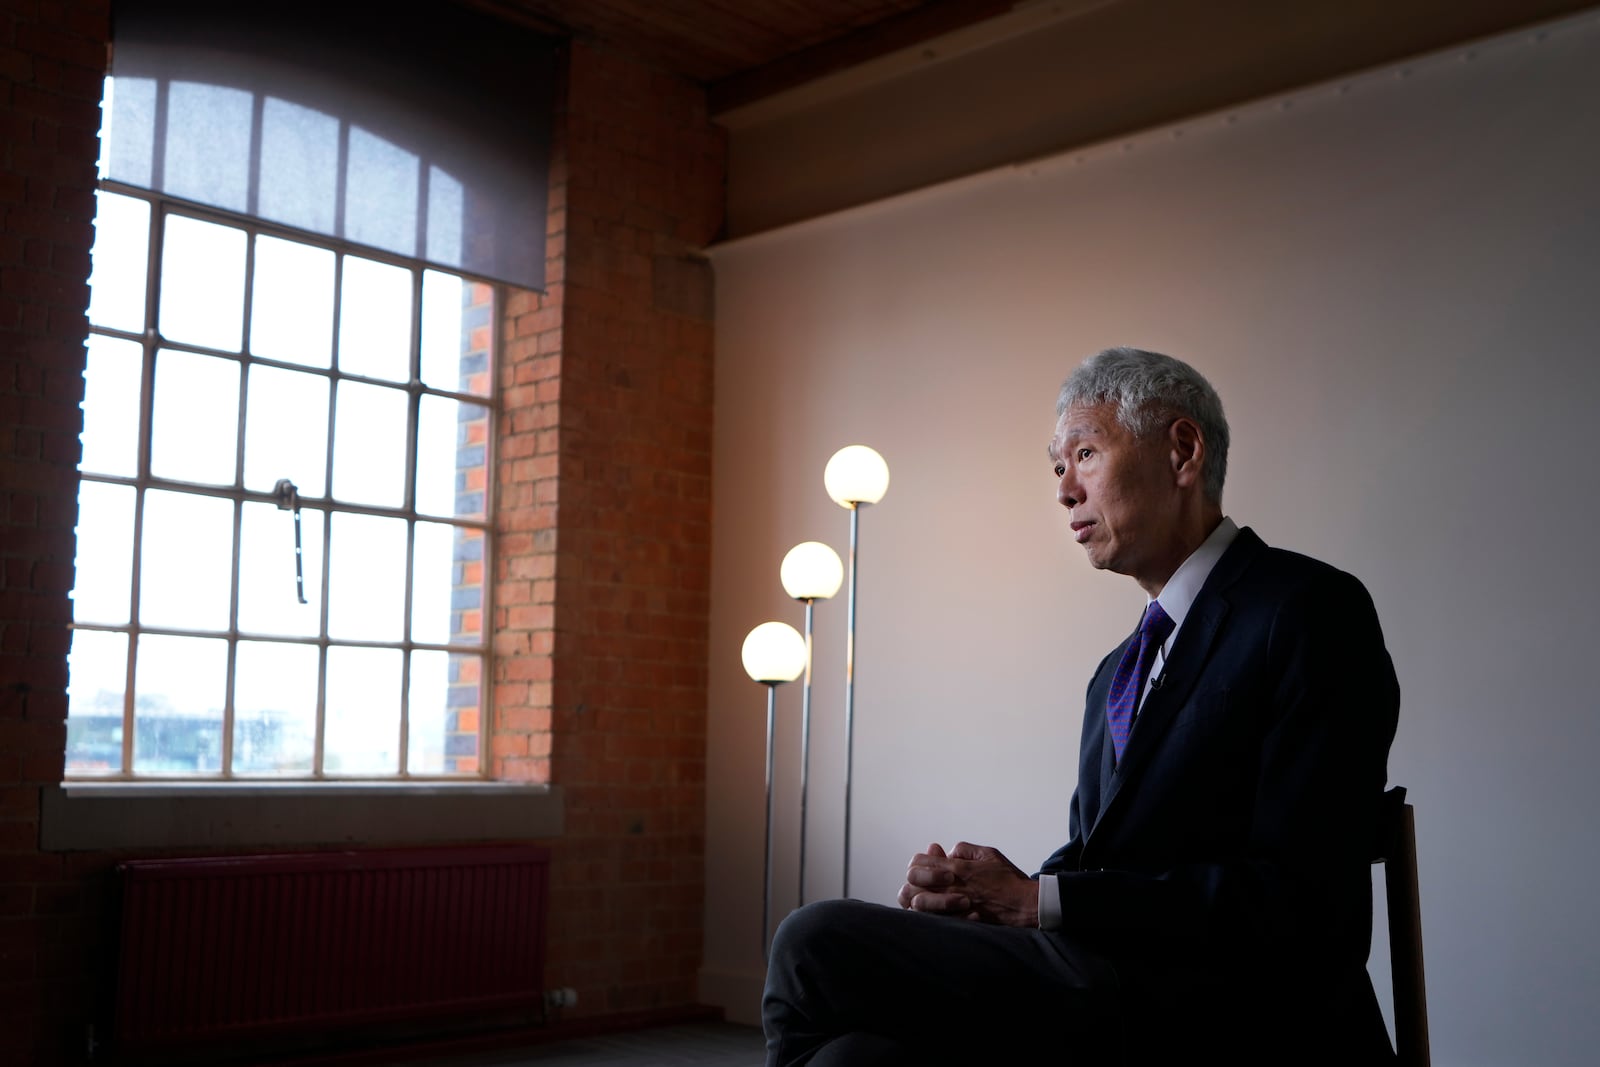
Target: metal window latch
(288, 498)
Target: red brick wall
(600, 590)
(604, 573)
(52, 57)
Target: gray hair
(1150, 390)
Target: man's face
(1120, 490)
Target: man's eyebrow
(1069, 435)
(1066, 438)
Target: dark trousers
(856, 983)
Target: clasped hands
(970, 882)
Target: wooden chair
(1397, 851)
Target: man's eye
(1083, 454)
(1060, 470)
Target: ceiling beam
(933, 19)
(510, 11)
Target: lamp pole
(850, 684)
(766, 858)
(773, 653)
(811, 571)
(854, 477)
(805, 746)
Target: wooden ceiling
(745, 49)
(750, 50)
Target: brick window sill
(166, 815)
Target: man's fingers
(979, 854)
(941, 903)
(931, 870)
(929, 875)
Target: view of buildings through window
(282, 537)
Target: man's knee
(809, 929)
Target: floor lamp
(855, 476)
(773, 653)
(810, 572)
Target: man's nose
(1068, 492)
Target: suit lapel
(1181, 672)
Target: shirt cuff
(1049, 903)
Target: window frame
(143, 481)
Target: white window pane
(438, 452)
(442, 337)
(457, 333)
(452, 465)
(186, 561)
(127, 134)
(202, 283)
(274, 708)
(194, 432)
(286, 430)
(291, 305)
(299, 165)
(369, 449)
(179, 688)
(447, 591)
(375, 320)
(111, 406)
(208, 144)
(367, 578)
(447, 206)
(120, 262)
(104, 585)
(431, 581)
(445, 713)
(268, 598)
(98, 669)
(381, 206)
(362, 723)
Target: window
(282, 538)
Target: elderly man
(1214, 893)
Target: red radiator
(239, 949)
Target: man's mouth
(1080, 531)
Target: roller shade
(418, 130)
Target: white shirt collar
(1178, 595)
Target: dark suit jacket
(1225, 862)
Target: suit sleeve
(1313, 718)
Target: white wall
(1394, 282)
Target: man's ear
(1187, 451)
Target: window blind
(421, 130)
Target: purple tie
(1128, 684)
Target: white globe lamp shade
(811, 571)
(774, 652)
(856, 475)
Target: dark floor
(699, 1044)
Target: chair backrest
(1397, 851)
